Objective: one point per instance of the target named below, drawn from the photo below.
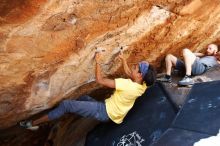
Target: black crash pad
(151, 115)
(179, 137)
(201, 111)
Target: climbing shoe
(28, 125)
(186, 81)
(164, 79)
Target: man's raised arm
(199, 54)
(99, 79)
(125, 65)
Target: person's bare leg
(40, 120)
(189, 59)
(170, 62)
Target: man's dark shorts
(197, 67)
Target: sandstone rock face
(47, 47)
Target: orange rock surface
(47, 47)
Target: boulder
(47, 47)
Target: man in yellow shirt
(114, 108)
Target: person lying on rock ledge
(193, 64)
(114, 108)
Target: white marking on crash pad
(191, 100)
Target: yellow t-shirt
(122, 100)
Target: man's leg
(89, 109)
(42, 119)
(54, 114)
(45, 118)
(171, 61)
(85, 98)
(189, 59)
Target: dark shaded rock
(16, 136)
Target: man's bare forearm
(99, 79)
(199, 54)
(98, 72)
(126, 68)
(102, 80)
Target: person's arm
(99, 79)
(125, 65)
(217, 56)
(199, 54)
